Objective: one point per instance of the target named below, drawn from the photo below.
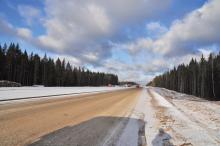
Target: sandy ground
(25, 123)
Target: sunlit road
(26, 122)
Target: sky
(135, 39)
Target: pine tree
(198, 78)
(18, 66)
(36, 69)
(2, 63)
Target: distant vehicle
(137, 86)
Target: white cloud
(156, 65)
(125, 71)
(84, 25)
(24, 33)
(29, 13)
(198, 29)
(155, 29)
(139, 44)
(93, 57)
(100, 18)
(83, 29)
(6, 28)
(9, 29)
(72, 60)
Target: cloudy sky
(136, 39)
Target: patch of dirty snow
(161, 101)
(191, 122)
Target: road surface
(85, 119)
(119, 118)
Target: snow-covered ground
(203, 117)
(25, 92)
(190, 121)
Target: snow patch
(189, 119)
(7, 93)
(161, 100)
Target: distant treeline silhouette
(197, 78)
(18, 66)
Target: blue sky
(136, 39)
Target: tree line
(17, 66)
(200, 78)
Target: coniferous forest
(200, 78)
(18, 66)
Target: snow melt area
(161, 101)
(8, 93)
(133, 134)
(146, 113)
(189, 121)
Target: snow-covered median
(9, 93)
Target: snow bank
(192, 122)
(161, 100)
(8, 93)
